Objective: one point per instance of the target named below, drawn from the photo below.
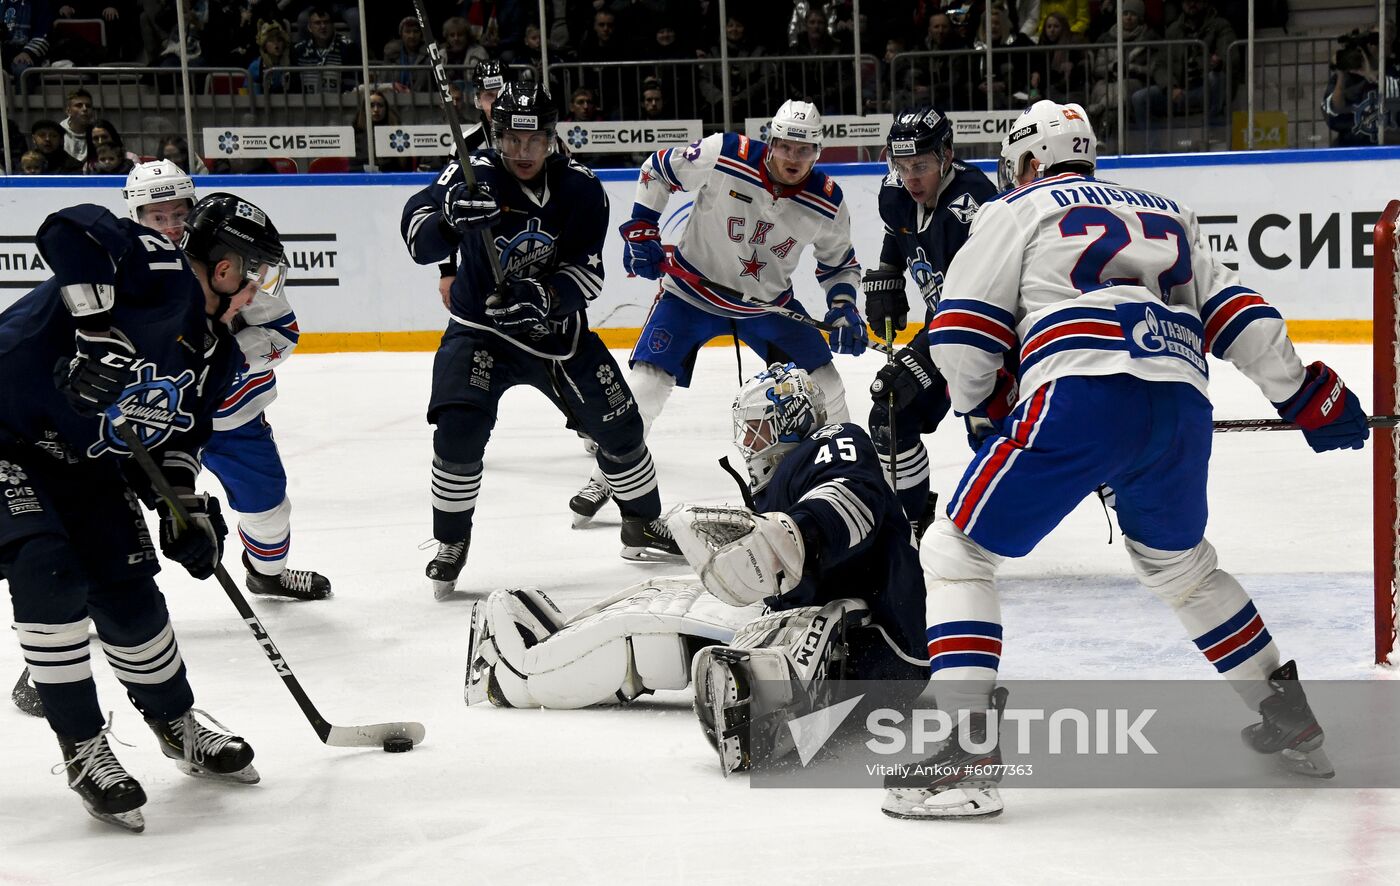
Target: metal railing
(1290, 75)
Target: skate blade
(581, 520)
(443, 589)
(1314, 763)
(965, 801)
(132, 821)
(640, 554)
(308, 596)
(246, 775)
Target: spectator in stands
(680, 80)
(409, 49)
(324, 48)
(346, 13)
(1181, 81)
(77, 123)
(601, 43)
(948, 77)
(273, 52)
(174, 148)
(747, 78)
(583, 106)
(47, 137)
(32, 163)
(461, 52)
(1353, 103)
(1033, 13)
(1059, 72)
(161, 27)
(102, 132)
(819, 81)
(231, 34)
(1103, 99)
(109, 159)
(120, 25)
(381, 113)
(26, 36)
(1010, 71)
(815, 37)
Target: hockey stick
(454, 124)
(894, 438)
(694, 279)
(1236, 425)
(26, 697)
(372, 736)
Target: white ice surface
(634, 795)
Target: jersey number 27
(1114, 237)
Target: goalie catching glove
(741, 557)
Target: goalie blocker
(767, 630)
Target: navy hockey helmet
(491, 76)
(919, 131)
(524, 105)
(223, 224)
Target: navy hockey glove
(466, 209)
(642, 252)
(884, 297)
(911, 376)
(199, 546)
(1330, 415)
(850, 335)
(523, 309)
(103, 367)
(990, 416)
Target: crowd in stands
(1060, 49)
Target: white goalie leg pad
(833, 392)
(959, 582)
(741, 557)
(504, 626)
(1216, 611)
(612, 652)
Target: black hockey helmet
(491, 75)
(919, 131)
(223, 224)
(523, 105)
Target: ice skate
(215, 755)
(722, 704)
(446, 565)
(109, 792)
(953, 783)
(588, 501)
(298, 584)
(649, 541)
(1289, 728)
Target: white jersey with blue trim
(746, 231)
(267, 334)
(1081, 277)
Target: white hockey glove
(741, 557)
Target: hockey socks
(455, 487)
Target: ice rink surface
(634, 795)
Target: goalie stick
(1236, 425)
(694, 279)
(454, 125)
(371, 736)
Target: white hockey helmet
(797, 121)
(156, 182)
(773, 412)
(1051, 133)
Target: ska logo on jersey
(152, 408)
(527, 253)
(929, 281)
(964, 208)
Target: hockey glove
(642, 252)
(522, 310)
(990, 416)
(884, 297)
(741, 557)
(911, 376)
(103, 367)
(1329, 414)
(199, 546)
(466, 209)
(850, 335)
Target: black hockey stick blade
(335, 736)
(26, 697)
(1236, 425)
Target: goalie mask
(773, 412)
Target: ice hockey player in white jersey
(771, 603)
(757, 207)
(241, 452)
(1110, 298)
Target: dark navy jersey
(925, 242)
(187, 360)
(553, 235)
(857, 536)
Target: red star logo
(646, 177)
(273, 353)
(752, 265)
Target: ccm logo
(641, 234)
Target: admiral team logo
(152, 410)
(528, 253)
(929, 281)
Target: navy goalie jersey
(552, 233)
(858, 538)
(187, 360)
(924, 241)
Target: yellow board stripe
(1337, 331)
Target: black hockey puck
(398, 744)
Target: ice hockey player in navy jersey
(241, 453)
(547, 217)
(130, 320)
(775, 591)
(927, 203)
